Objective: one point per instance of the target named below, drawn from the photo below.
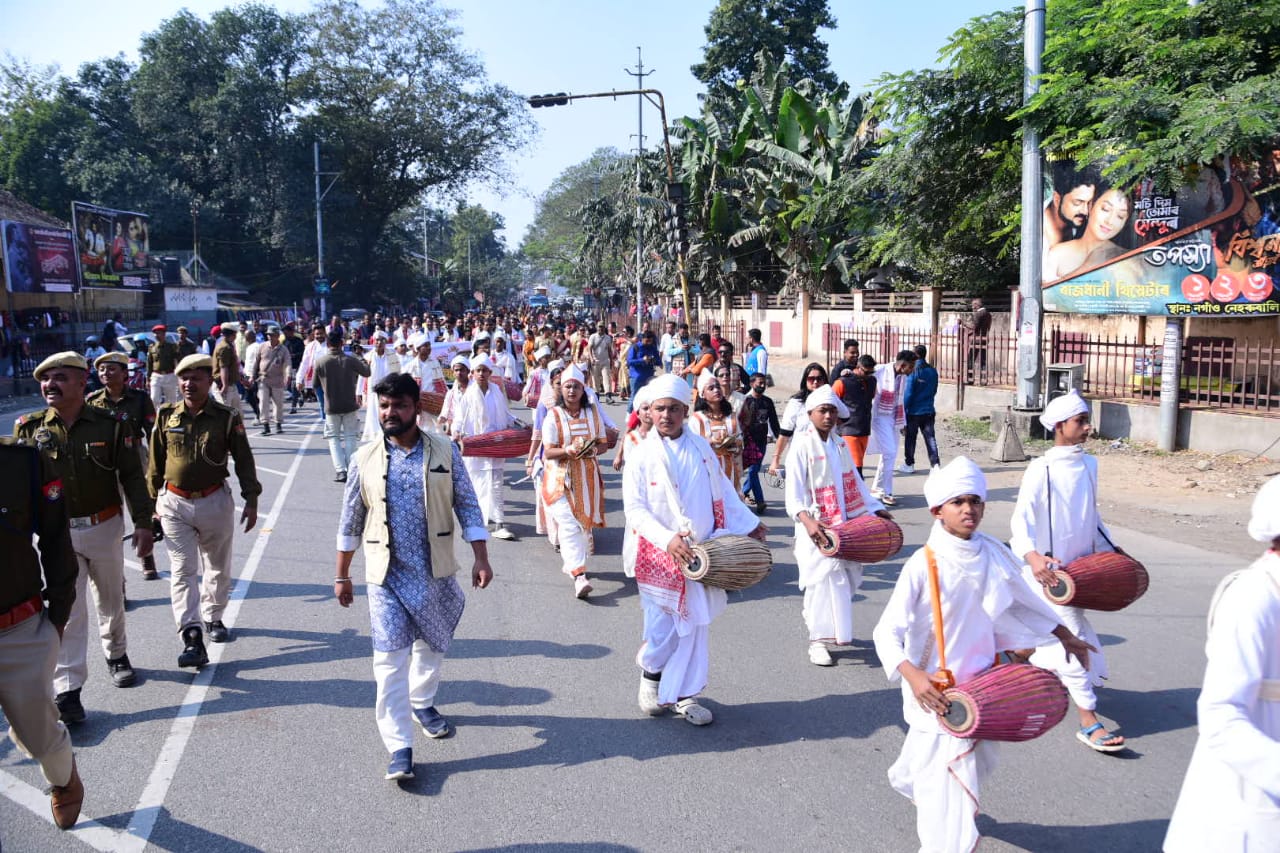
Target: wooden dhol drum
(1102, 581)
(431, 402)
(514, 389)
(502, 444)
(1009, 702)
(729, 562)
(865, 539)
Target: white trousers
(943, 775)
(885, 436)
(164, 388)
(343, 434)
(1080, 682)
(684, 660)
(574, 541)
(488, 484)
(407, 678)
(828, 605)
(100, 556)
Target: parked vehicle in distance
(539, 301)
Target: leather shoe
(70, 709)
(193, 654)
(65, 800)
(121, 670)
(218, 632)
(149, 570)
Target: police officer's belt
(97, 518)
(200, 493)
(21, 613)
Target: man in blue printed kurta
(401, 499)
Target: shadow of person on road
(1138, 835)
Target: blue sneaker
(401, 766)
(433, 722)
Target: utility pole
(1031, 313)
(639, 74)
(320, 224)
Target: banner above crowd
(114, 247)
(38, 259)
(1209, 250)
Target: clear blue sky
(536, 46)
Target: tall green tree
(786, 29)
(401, 109)
(556, 238)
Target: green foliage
(786, 29)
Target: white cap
(1062, 408)
(825, 396)
(573, 373)
(669, 386)
(480, 361)
(460, 358)
(1264, 521)
(543, 352)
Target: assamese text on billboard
(1212, 249)
(38, 259)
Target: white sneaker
(906, 469)
(649, 697)
(581, 587)
(820, 656)
(503, 533)
(888, 500)
(694, 713)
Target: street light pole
(654, 97)
(639, 74)
(320, 222)
(1030, 317)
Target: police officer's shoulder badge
(53, 491)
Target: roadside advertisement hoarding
(190, 299)
(1208, 250)
(38, 259)
(114, 247)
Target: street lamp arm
(653, 96)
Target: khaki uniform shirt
(95, 457)
(186, 348)
(135, 410)
(32, 502)
(162, 357)
(191, 450)
(272, 365)
(225, 355)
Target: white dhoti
(679, 648)
(486, 478)
(1080, 682)
(573, 540)
(884, 439)
(943, 776)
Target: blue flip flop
(1084, 736)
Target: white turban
(825, 396)
(460, 358)
(669, 386)
(418, 340)
(641, 398)
(1062, 408)
(543, 352)
(960, 477)
(480, 361)
(1264, 522)
(483, 336)
(573, 373)
(379, 336)
(705, 378)
(555, 365)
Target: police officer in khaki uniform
(186, 346)
(162, 359)
(95, 456)
(133, 408)
(226, 368)
(190, 447)
(34, 606)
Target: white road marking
(142, 823)
(276, 471)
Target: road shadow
(170, 833)
(496, 648)
(1148, 712)
(573, 741)
(1139, 835)
(556, 847)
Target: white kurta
(1230, 800)
(672, 486)
(380, 366)
(430, 377)
(829, 584)
(985, 609)
(887, 417)
(1077, 532)
(478, 413)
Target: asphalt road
(274, 747)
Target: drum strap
(943, 678)
(1048, 496)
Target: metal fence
(1216, 373)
